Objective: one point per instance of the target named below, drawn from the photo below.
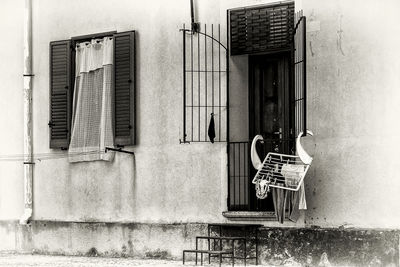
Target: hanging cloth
(211, 129)
(279, 200)
(92, 129)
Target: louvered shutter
(124, 75)
(261, 29)
(300, 81)
(60, 93)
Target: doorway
(269, 112)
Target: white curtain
(92, 125)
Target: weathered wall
(353, 83)
(101, 239)
(276, 246)
(11, 105)
(328, 247)
(164, 180)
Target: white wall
(353, 84)
(11, 106)
(165, 181)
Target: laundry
(279, 200)
(293, 174)
(211, 129)
(293, 205)
(283, 175)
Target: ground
(73, 261)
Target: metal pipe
(192, 13)
(191, 66)
(28, 152)
(184, 82)
(227, 110)
(205, 80)
(304, 77)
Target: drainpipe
(28, 152)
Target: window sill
(249, 215)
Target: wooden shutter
(261, 29)
(60, 93)
(124, 80)
(300, 77)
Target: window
(62, 78)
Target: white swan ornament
(255, 159)
(303, 155)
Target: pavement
(75, 261)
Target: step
(208, 251)
(224, 237)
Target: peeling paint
(340, 36)
(311, 49)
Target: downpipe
(28, 151)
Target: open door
(269, 111)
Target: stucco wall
(353, 85)
(11, 105)
(164, 181)
(352, 94)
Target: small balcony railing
(241, 192)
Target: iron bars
(205, 84)
(241, 192)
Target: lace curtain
(92, 125)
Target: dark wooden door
(269, 112)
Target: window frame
(74, 41)
(70, 61)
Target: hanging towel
(293, 174)
(211, 129)
(302, 197)
(293, 205)
(279, 200)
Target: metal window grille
(205, 84)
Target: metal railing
(241, 193)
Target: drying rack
(281, 170)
